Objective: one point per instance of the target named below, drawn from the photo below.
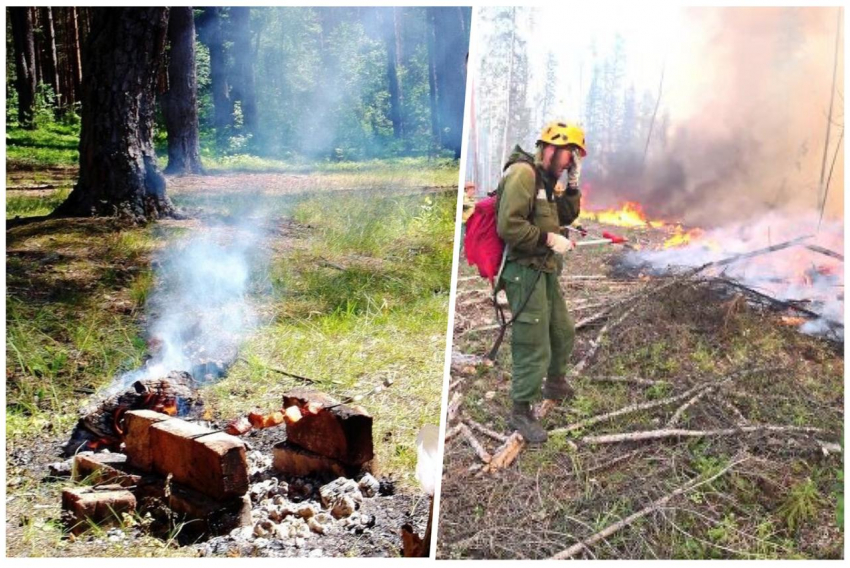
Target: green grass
(34, 205)
(51, 145)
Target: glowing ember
(292, 414)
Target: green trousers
(543, 335)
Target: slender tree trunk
(180, 102)
(37, 46)
(118, 171)
(76, 57)
(22, 35)
(53, 65)
(433, 87)
(451, 74)
(243, 76)
(211, 33)
(391, 41)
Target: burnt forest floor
(356, 291)
(776, 494)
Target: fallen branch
(506, 453)
(488, 327)
(452, 432)
(486, 431)
(688, 403)
(652, 507)
(631, 380)
(826, 251)
(657, 403)
(279, 370)
(742, 420)
(596, 343)
(630, 410)
(454, 407)
(476, 445)
(680, 433)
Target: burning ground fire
(809, 275)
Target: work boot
(522, 419)
(557, 388)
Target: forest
(216, 215)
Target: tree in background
(211, 32)
(452, 29)
(22, 33)
(180, 101)
(242, 75)
(118, 171)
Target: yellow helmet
(563, 134)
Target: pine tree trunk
(22, 35)
(211, 33)
(243, 72)
(433, 87)
(180, 102)
(76, 57)
(118, 171)
(391, 41)
(52, 63)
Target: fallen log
(506, 453)
(654, 506)
(677, 415)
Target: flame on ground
(630, 214)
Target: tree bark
(76, 56)
(243, 72)
(211, 33)
(118, 171)
(22, 35)
(180, 102)
(52, 63)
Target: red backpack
(483, 245)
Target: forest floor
(356, 291)
(763, 494)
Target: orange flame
(630, 214)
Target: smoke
(743, 119)
(793, 274)
(200, 310)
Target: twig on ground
(279, 370)
(688, 403)
(596, 343)
(486, 431)
(452, 432)
(454, 407)
(483, 454)
(681, 433)
(654, 506)
(632, 380)
(488, 327)
(741, 419)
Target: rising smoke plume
(746, 98)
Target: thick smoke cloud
(748, 96)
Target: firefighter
(532, 206)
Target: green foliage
(800, 504)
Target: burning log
(101, 423)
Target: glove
(574, 170)
(559, 243)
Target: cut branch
(652, 507)
(680, 433)
(476, 445)
(486, 431)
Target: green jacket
(528, 209)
